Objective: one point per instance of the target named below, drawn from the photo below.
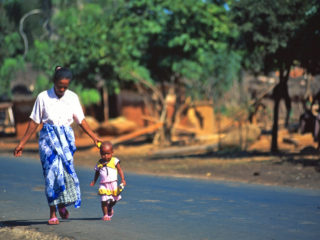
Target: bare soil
(299, 167)
(297, 164)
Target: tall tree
(308, 39)
(185, 41)
(11, 44)
(182, 42)
(10, 49)
(269, 36)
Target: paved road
(163, 208)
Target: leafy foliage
(158, 41)
(308, 39)
(87, 96)
(42, 83)
(271, 32)
(7, 70)
(155, 40)
(11, 46)
(276, 35)
(195, 32)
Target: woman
(57, 108)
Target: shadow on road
(16, 223)
(25, 223)
(85, 219)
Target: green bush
(42, 84)
(7, 71)
(87, 96)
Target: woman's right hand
(32, 127)
(18, 151)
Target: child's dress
(108, 188)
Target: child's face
(106, 153)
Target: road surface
(162, 208)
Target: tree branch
(23, 35)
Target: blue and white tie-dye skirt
(56, 147)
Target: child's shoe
(106, 218)
(110, 214)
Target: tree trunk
(104, 103)
(274, 142)
(178, 93)
(159, 136)
(280, 91)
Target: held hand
(92, 183)
(98, 142)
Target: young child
(108, 168)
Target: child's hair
(61, 73)
(106, 143)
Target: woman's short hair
(61, 73)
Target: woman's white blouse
(48, 108)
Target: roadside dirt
(296, 165)
(26, 233)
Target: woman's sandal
(106, 218)
(63, 212)
(53, 221)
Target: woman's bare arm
(32, 127)
(85, 127)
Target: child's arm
(121, 174)
(96, 176)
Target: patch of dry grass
(24, 233)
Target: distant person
(57, 108)
(316, 133)
(108, 168)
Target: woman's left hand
(98, 142)
(85, 127)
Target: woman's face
(61, 86)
